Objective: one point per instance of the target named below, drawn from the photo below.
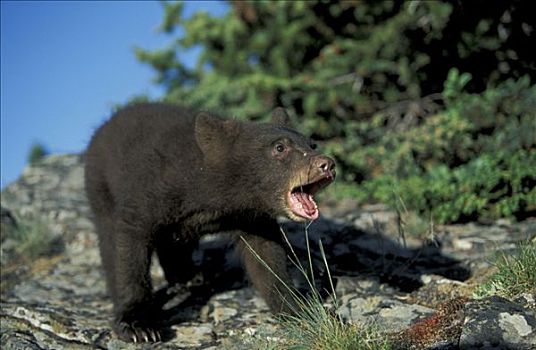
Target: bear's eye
(280, 148)
(314, 146)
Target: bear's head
(266, 167)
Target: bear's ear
(280, 117)
(214, 135)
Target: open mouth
(300, 198)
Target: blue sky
(65, 64)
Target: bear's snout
(325, 164)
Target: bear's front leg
(275, 285)
(135, 313)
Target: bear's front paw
(137, 333)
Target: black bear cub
(158, 177)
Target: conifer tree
(389, 86)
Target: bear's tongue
(303, 204)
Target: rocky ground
(417, 290)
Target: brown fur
(158, 177)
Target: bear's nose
(326, 165)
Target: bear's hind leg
(175, 257)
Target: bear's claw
(136, 333)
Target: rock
(379, 308)
(7, 232)
(408, 288)
(193, 335)
(496, 323)
(363, 286)
(51, 191)
(8, 221)
(438, 289)
(395, 315)
(527, 300)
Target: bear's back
(138, 146)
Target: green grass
(33, 240)
(314, 325)
(516, 273)
(37, 152)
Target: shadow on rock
(351, 251)
(217, 270)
